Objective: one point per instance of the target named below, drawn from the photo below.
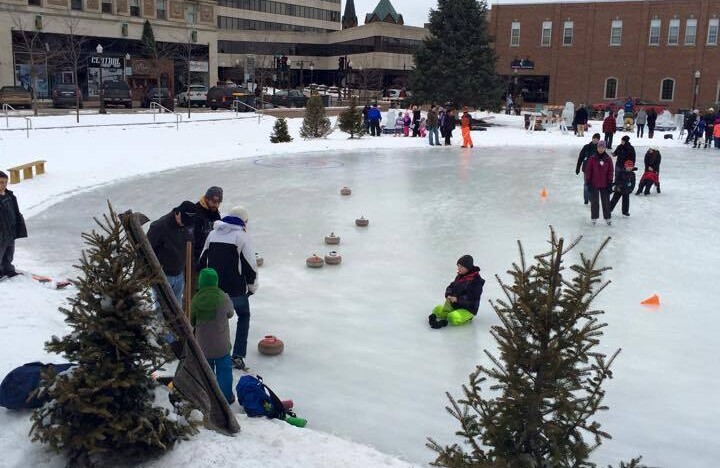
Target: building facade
(664, 51)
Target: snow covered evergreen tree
(351, 120)
(315, 124)
(105, 406)
(280, 132)
(456, 62)
(542, 392)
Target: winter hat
(3, 175)
(214, 193)
(187, 212)
(601, 144)
(629, 164)
(625, 138)
(466, 261)
(239, 212)
(208, 277)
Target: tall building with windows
(665, 51)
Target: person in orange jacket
(466, 125)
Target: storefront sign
(522, 64)
(107, 62)
(202, 67)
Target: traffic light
(341, 63)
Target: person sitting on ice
(462, 296)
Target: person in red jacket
(609, 128)
(599, 177)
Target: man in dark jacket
(449, 124)
(599, 176)
(168, 237)
(207, 211)
(432, 126)
(462, 296)
(581, 119)
(624, 152)
(12, 226)
(585, 153)
(417, 115)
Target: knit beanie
(466, 261)
(208, 277)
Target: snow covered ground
(360, 361)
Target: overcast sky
(415, 12)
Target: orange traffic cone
(653, 300)
(543, 194)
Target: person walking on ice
(462, 296)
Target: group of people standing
(224, 275)
(702, 125)
(640, 120)
(601, 179)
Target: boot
(442, 323)
(432, 320)
(657, 188)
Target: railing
(5, 108)
(28, 126)
(160, 108)
(236, 107)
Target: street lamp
(99, 50)
(696, 88)
(312, 72)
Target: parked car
(195, 94)
(223, 96)
(116, 93)
(615, 105)
(15, 96)
(66, 95)
(295, 98)
(162, 96)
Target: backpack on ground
(16, 390)
(258, 400)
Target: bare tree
(185, 50)
(367, 78)
(71, 54)
(158, 52)
(263, 71)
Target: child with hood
(210, 310)
(462, 296)
(406, 124)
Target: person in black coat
(623, 186)
(416, 121)
(462, 296)
(581, 119)
(207, 211)
(651, 176)
(624, 152)
(168, 238)
(651, 121)
(585, 153)
(12, 226)
(449, 125)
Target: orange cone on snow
(653, 300)
(543, 194)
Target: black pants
(625, 202)
(690, 135)
(375, 128)
(645, 186)
(597, 197)
(640, 130)
(651, 130)
(708, 136)
(7, 252)
(448, 135)
(608, 140)
(416, 128)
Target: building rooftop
(384, 13)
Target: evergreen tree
(105, 405)
(315, 124)
(546, 385)
(280, 132)
(148, 39)
(351, 120)
(456, 62)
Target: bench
(27, 170)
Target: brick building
(659, 50)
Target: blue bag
(17, 387)
(258, 400)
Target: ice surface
(360, 360)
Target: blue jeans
(177, 283)
(242, 309)
(223, 371)
(433, 135)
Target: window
(546, 36)
(712, 38)
(107, 6)
(690, 32)
(655, 26)
(515, 34)
(76, 5)
(135, 8)
(191, 13)
(611, 85)
(616, 33)
(161, 9)
(568, 33)
(674, 32)
(667, 89)
(35, 2)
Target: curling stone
(315, 262)
(258, 259)
(333, 258)
(271, 346)
(345, 191)
(362, 222)
(332, 239)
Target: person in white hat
(227, 250)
